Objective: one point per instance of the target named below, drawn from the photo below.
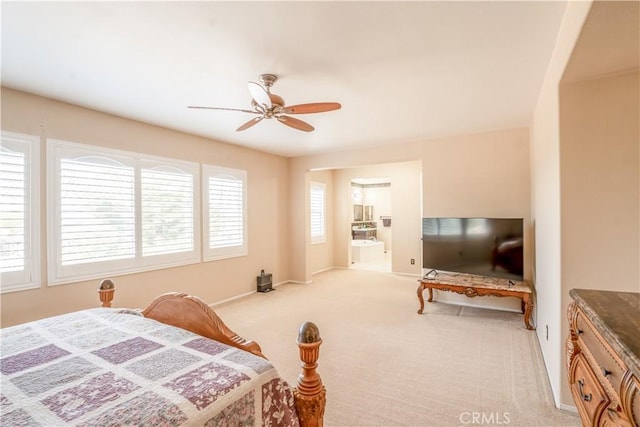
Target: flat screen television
(484, 246)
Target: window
(167, 210)
(113, 211)
(318, 212)
(225, 212)
(19, 212)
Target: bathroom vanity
(364, 231)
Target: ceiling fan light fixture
(268, 80)
(268, 105)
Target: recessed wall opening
(370, 224)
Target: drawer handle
(580, 331)
(585, 397)
(605, 372)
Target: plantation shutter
(113, 211)
(226, 212)
(12, 209)
(19, 213)
(317, 209)
(167, 210)
(97, 210)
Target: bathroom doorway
(371, 226)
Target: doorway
(370, 225)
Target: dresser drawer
(607, 364)
(591, 399)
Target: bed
(173, 363)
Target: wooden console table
(472, 286)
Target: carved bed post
(106, 291)
(310, 394)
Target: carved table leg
(528, 304)
(420, 298)
(430, 295)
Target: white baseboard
(297, 282)
(232, 298)
(568, 408)
(323, 270)
(275, 285)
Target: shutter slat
(167, 212)
(226, 212)
(12, 207)
(97, 212)
(317, 210)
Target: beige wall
(585, 173)
(600, 141)
(484, 174)
(268, 209)
(546, 204)
(405, 197)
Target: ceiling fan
(267, 105)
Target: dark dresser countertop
(616, 315)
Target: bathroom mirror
(357, 213)
(368, 213)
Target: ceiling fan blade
(250, 123)
(260, 95)
(316, 107)
(295, 123)
(227, 109)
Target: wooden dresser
(603, 356)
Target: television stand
(473, 285)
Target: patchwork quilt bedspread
(108, 367)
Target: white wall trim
(568, 408)
(246, 294)
(298, 282)
(232, 298)
(321, 271)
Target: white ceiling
(403, 71)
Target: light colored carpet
(385, 365)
